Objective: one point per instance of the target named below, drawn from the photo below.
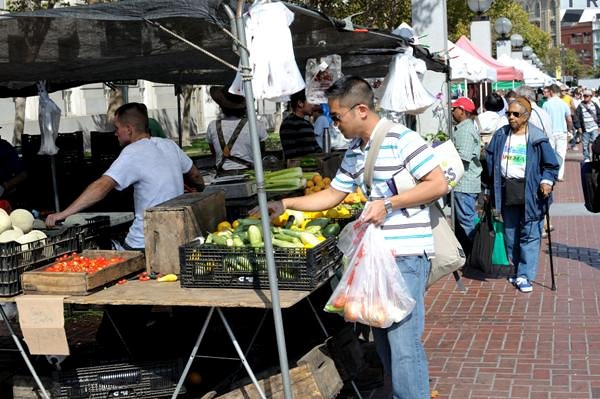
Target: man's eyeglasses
(515, 114)
(336, 118)
(586, 95)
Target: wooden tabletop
(152, 292)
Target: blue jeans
(587, 138)
(465, 211)
(523, 240)
(399, 346)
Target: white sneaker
(587, 160)
(523, 284)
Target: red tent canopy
(504, 72)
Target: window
(537, 10)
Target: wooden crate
(176, 222)
(315, 377)
(42, 282)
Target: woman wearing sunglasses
(522, 170)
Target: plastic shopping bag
(49, 120)
(320, 74)
(372, 290)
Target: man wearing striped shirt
(406, 226)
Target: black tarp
(111, 41)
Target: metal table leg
(193, 354)
(24, 355)
(241, 354)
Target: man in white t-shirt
(154, 166)
(562, 122)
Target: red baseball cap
(465, 103)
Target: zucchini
(249, 222)
(285, 237)
(321, 222)
(254, 235)
(332, 229)
(285, 244)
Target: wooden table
(152, 292)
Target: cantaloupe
(10, 235)
(5, 223)
(22, 219)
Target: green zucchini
(321, 222)
(331, 230)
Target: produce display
(74, 263)
(18, 227)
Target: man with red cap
(467, 141)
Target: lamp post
(516, 42)
(503, 26)
(481, 34)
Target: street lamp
(479, 6)
(527, 52)
(516, 42)
(481, 34)
(503, 26)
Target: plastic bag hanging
(404, 91)
(320, 74)
(49, 120)
(372, 290)
(275, 73)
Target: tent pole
(246, 73)
(179, 127)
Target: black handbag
(480, 257)
(514, 192)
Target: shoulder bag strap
(377, 137)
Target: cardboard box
(176, 222)
(42, 322)
(40, 281)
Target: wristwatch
(388, 206)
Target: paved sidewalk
(495, 342)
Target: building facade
(545, 14)
(579, 37)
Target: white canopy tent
(532, 76)
(465, 67)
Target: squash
(10, 235)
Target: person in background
(538, 117)
(522, 169)
(587, 122)
(467, 141)
(296, 132)
(562, 123)
(155, 167)
(595, 98)
(229, 136)
(351, 102)
(337, 140)
(493, 118)
(12, 175)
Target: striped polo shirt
(402, 147)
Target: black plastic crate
(236, 208)
(95, 233)
(156, 379)
(210, 265)
(15, 259)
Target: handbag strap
(377, 136)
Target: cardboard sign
(43, 324)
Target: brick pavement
(495, 342)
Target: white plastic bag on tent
(49, 120)
(275, 73)
(320, 74)
(404, 91)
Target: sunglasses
(515, 114)
(586, 95)
(336, 118)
